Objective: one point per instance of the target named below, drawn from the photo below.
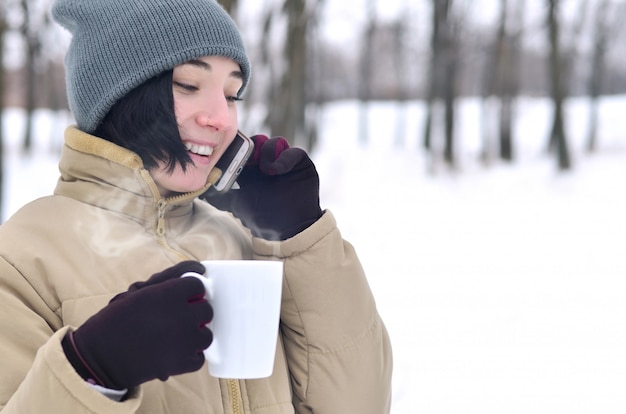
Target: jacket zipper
(234, 390)
(161, 207)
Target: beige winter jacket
(63, 257)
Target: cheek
(180, 110)
(234, 112)
(235, 119)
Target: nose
(215, 114)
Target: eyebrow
(205, 66)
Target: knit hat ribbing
(119, 44)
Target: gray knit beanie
(119, 44)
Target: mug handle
(212, 353)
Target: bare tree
(600, 40)
(287, 117)
(401, 72)
(315, 74)
(509, 76)
(34, 27)
(501, 53)
(294, 79)
(570, 50)
(609, 17)
(444, 64)
(501, 81)
(29, 31)
(558, 138)
(365, 72)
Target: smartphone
(233, 160)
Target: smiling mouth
(199, 149)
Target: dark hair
(144, 122)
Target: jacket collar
(105, 175)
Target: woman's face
(205, 104)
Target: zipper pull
(161, 207)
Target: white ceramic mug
(245, 296)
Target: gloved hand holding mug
(279, 191)
(155, 329)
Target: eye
(233, 99)
(185, 86)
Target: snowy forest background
(473, 151)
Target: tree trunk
(600, 40)
(30, 103)
(448, 84)
(29, 34)
(365, 73)
(510, 78)
(433, 76)
(503, 53)
(557, 136)
(315, 73)
(490, 86)
(502, 79)
(402, 93)
(450, 102)
(287, 117)
(442, 81)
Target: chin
(187, 188)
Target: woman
(153, 86)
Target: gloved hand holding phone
(279, 191)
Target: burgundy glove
(279, 191)
(155, 329)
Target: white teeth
(199, 149)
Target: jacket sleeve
(337, 346)
(35, 376)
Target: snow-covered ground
(503, 287)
